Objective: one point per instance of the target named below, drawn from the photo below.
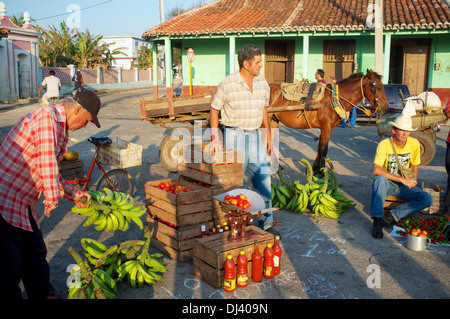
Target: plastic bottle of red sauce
(230, 274)
(242, 270)
(268, 261)
(257, 264)
(277, 256)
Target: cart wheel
(168, 153)
(427, 147)
(121, 182)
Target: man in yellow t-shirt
(389, 180)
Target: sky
(101, 17)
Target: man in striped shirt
(28, 168)
(242, 99)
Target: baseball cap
(88, 100)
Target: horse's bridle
(373, 89)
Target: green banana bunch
(93, 284)
(141, 268)
(321, 196)
(329, 201)
(110, 211)
(283, 193)
(129, 259)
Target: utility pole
(161, 8)
(379, 36)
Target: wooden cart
(184, 109)
(167, 111)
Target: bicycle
(116, 179)
(53, 99)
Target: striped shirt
(29, 165)
(241, 107)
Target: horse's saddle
(302, 91)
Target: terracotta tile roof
(265, 16)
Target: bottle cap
(242, 252)
(269, 245)
(229, 256)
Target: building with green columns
(407, 41)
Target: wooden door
(338, 59)
(279, 61)
(415, 65)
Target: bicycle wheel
(121, 181)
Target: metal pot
(417, 243)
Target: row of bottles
(269, 266)
(216, 230)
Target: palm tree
(87, 50)
(109, 56)
(18, 20)
(145, 58)
(54, 45)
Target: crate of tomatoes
(177, 211)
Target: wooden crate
(176, 242)
(221, 169)
(438, 206)
(70, 170)
(181, 209)
(211, 252)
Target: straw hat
(403, 122)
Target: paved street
(322, 259)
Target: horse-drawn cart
(185, 109)
(166, 111)
(426, 124)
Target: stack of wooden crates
(175, 220)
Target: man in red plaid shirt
(28, 168)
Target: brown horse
(351, 91)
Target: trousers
(416, 198)
(255, 165)
(23, 258)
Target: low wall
(99, 79)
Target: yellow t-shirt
(408, 155)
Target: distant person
(53, 85)
(393, 156)
(77, 79)
(320, 78)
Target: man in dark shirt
(77, 79)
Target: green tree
(64, 46)
(110, 56)
(55, 45)
(145, 58)
(18, 20)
